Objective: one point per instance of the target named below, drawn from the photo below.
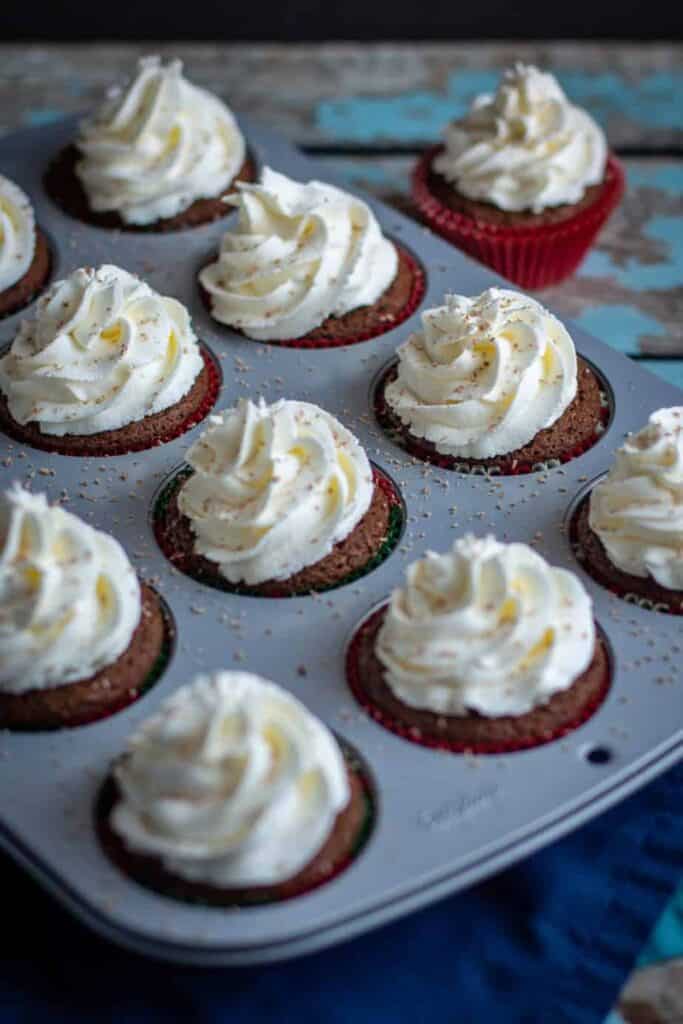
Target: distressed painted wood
(363, 94)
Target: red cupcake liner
(48, 443)
(628, 596)
(414, 734)
(399, 433)
(310, 341)
(532, 257)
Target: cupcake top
(637, 509)
(101, 351)
(17, 233)
(484, 375)
(524, 148)
(156, 145)
(69, 597)
(275, 487)
(488, 627)
(232, 783)
(298, 254)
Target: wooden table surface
(367, 110)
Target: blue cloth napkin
(547, 942)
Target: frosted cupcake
(80, 637)
(486, 648)
(233, 793)
(307, 264)
(491, 384)
(524, 182)
(24, 251)
(106, 365)
(160, 154)
(277, 500)
(629, 533)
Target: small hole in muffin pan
(472, 734)
(174, 535)
(642, 592)
(104, 694)
(506, 465)
(127, 440)
(338, 853)
(598, 754)
(351, 326)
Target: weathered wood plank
(629, 291)
(363, 94)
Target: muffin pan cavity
(442, 821)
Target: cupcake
(24, 252)
(233, 793)
(277, 500)
(105, 366)
(629, 532)
(524, 182)
(487, 648)
(80, 637)
(160, 154)
(308, 264)
(491, 384)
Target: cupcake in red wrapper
(486, 649)
(628, 533)
(307, 266)
(234, 794)
(24, 250)
(523, 183)
(105, 366)
(160, 154)
(80, 636)
(492, 385)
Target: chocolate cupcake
(628, 533)
(524, 181)
(160, 154)
(233, 794)
(24, 251)
(80, 637)
(307, 265)
(105, 366)
(277, 500)
(491, 385)
(485, 649)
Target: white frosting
(298, 254)
(484, 375)
(102, 350)
(275, 487)
(637, 510)
(69, 597)
(232, 783)
(157, 145)
(524, 148)
(489, 627)
(17, 233)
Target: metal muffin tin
(444, 821)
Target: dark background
(234, 20)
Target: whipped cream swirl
(489, 627)
(69, 597)
(157, 145)
(102, 351)
(298, 254)
(17, 233)
(232, 783)
(637, 509)
(484, 374)
(275, 487)
(524, 148)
